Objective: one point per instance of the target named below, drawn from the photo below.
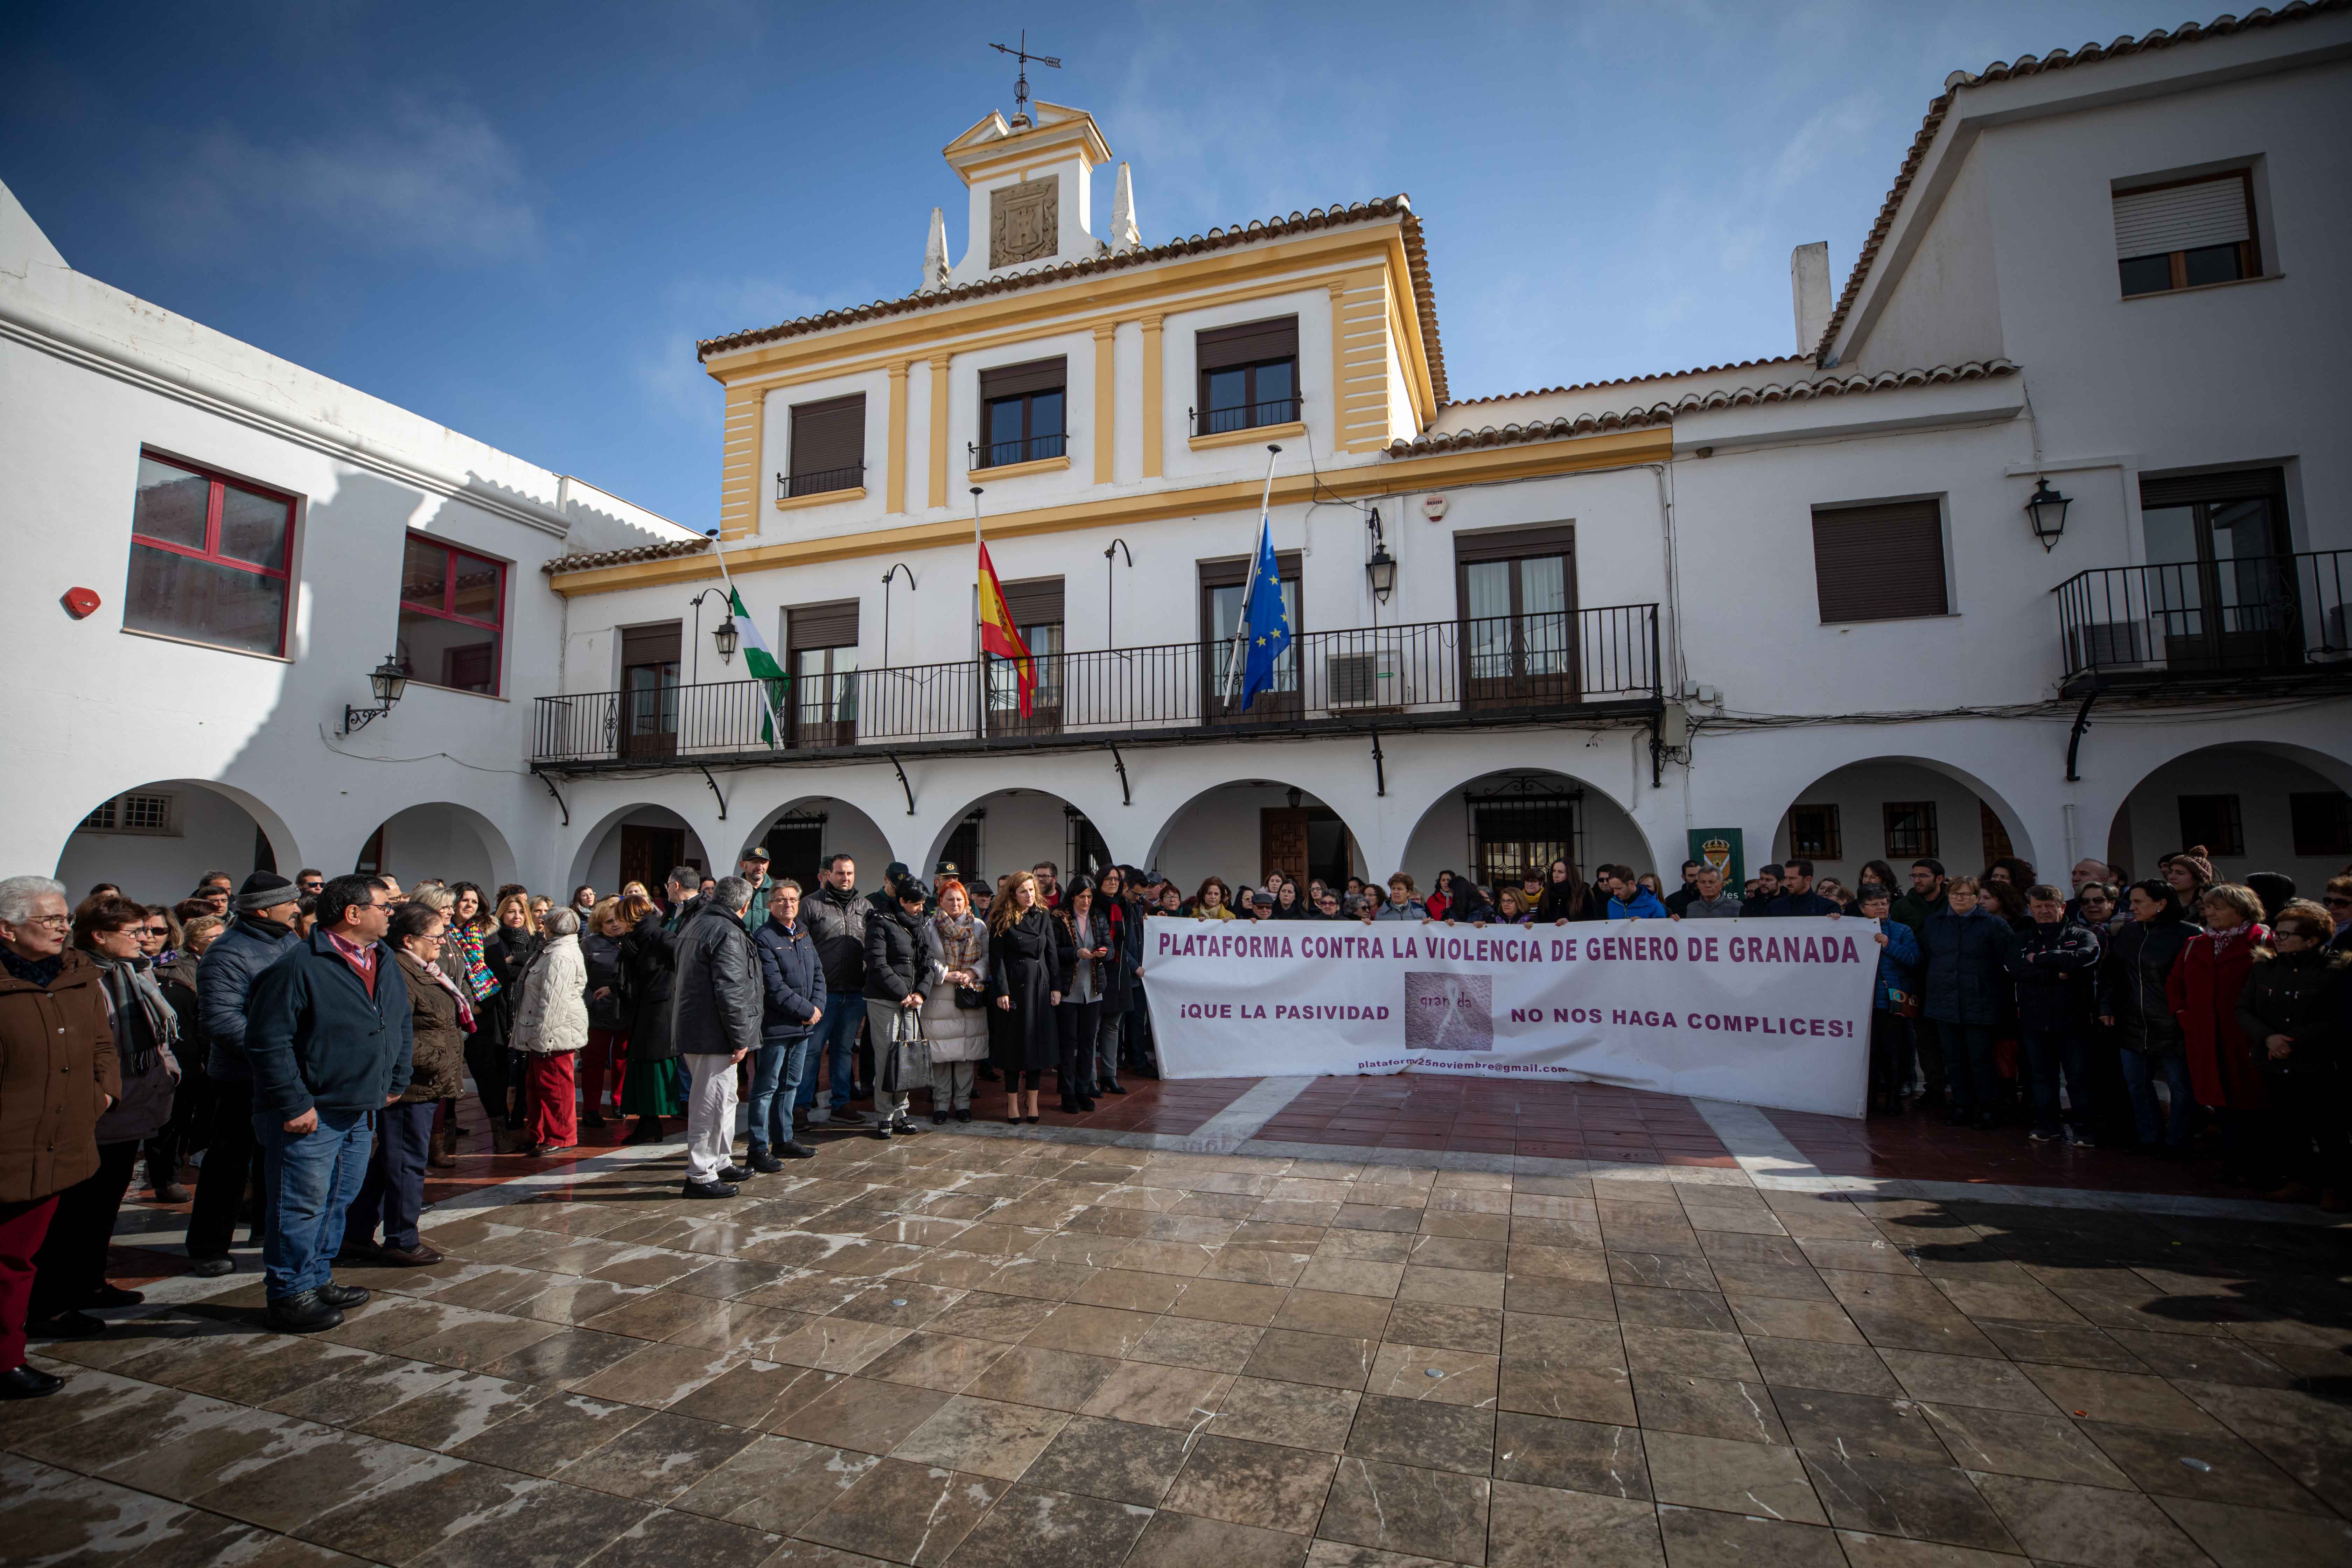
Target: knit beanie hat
(264, 890)
(2197, 862)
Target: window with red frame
(208, 558)
(452, 606)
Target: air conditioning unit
(2107, 645)
(1359, 680)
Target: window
(1516, 589)
(821, 646)
(1249, 375)
(1222, 584)
(1021, 413)
(649, 683)
(451, 607)
(2187, 233)
(1911, 829)
(1879, 562)
(1997, 846)
(1519, 827)
(1036, 607)
(828, 446)
(208, 559)
(2214, 820)
(963, 848)
(141, 813)
(2323, 823)
(2220, 587)
(1813, 833)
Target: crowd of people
(307, 1044)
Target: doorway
(2221, 590)
(649, 854)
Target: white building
(1795, 603)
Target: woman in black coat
(649, 1089)
(2132, 1001)
(510, 953)
(1024, 980)
(1083, 955)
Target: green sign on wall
(1721, 847)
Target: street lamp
(2046, 510)
(388, 681)
(723, 635)
(1382, 567)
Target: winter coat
(1118, 971)
(553, 1016)
(1722, 907)
(649, 957)
(1025, 963)
(1644, 906)
(1066, 944)
(511, 952)
(837, 920)
(224, 981)
(2132, 976)
(1679, 901)
(757, 915)
(1411, 910)
(1567, 901)
(58, 1070)
(315, 1037)
(1966, 982)
(605, 972)
(716, 1007)
(1913, 911)
(894, 956)
(1899, 963)
(437, 1040)
(792, 982)
(145, 1031)
(2300, 995)
(177, 981)
(1756, 908)
(1790, 905)
(2202, 991)
(2056, 968)
(956, 1034)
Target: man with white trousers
(715, 1022)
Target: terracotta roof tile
(600, 558)
(1278, 228)
(1699, 403)
(1630, 380)
(2030, 65)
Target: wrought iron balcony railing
(2197, 618)
(1506, 668)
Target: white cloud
(435, 179)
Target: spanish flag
(997, 633)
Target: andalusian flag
(761, 663)
(997, 633)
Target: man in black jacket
(328, 1035)
(895, 972)
(837, 916)
(1680, 898)
(1768, 888)
(1797, 895)
(2056, 965)
(266, 909)
(715, 1020)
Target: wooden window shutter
(821, 625)
(2187, 490)
(650, 645)
(1036, 602)
(829, 435)
(1516, 543)
(2186, 216)
(1014, 380)
(1879, 562)
(1236, 569)
(1217, 347)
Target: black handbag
(971, 996)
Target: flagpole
(979, 651)
(1249, 584)
(767, 697)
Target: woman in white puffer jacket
(550, 1028)
(955, 949)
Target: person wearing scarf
(71, 1268)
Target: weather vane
(1021, 87)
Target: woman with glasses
(175, 972)
(2291, 1009)
(439, 1016)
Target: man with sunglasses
(58, 1073)
(2338, 902)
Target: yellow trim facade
(1155, 391)
(939, 364)
(821, 498)
(1106, 401)
(1016, 470)
(1250, 436)
(894, 459)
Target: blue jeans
(312, 1177)
(2141, 1071)
(834, 1043)
(2048, 1053)
(776, 1074)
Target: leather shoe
(965, 1114)
(29, 1382)
(767, 1165)
(211, 1267)
(1113, 1089)
(905, 1128)
(710, 1189)
(304, 1312)
(172, 1192)
(939, 1119)
(795, 1150)
(732, 1174)
(113, 1296)
(883, 1132)
(418, 1257)
(356, 1253)
(67, 1326)
(335, 1295)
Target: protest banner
(1771, 1013)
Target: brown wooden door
(649, 855)
(1282, 842)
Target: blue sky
(516, 219)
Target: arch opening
(1899, 810)
(437, 838)
(2253, 807)
(156, 841)
(1512, 822)
(637, 844)
(1246, 830)
(1015, 829)
(804, 833)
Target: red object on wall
(79, 602)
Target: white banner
(1772, 1013)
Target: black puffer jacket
(2057, 972)
(602, 955)
(715, 1009)
(894, 955)
(837, 920)
(650, 955)
(2138, 961)
(2296, 994)
(1964, 953)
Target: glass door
(1044, 641)
(1518, 643)
(650, 709)
(825, 710)
(2220, 593)
(1223, 665)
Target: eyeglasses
(53, 922)
(2339, 903)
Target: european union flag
(1267, 623)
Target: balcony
(2214, 622)
(1574, 666)
(792, 487)
(1243, 416)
